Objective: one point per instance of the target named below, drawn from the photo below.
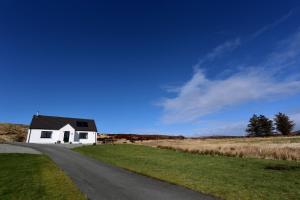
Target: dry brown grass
(280, 148)
(12, 132)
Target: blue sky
(176, 67)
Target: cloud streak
(220, 50)
(201, 96)
(272, 25)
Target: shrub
(20, 137)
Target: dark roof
(56, 123)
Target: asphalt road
(99, 180)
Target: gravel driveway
(7, 148)
(99, 180)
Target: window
(46, 134)
(83, 135)
(81, 124)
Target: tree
(283, 124)
(260, 126)
(265, 126)
(253, 126)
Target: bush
(20, 137)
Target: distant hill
(13, 132)
(143, 137)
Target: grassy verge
(26, 176)
(225, 177)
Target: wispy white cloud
(217, 52)
(201, 96)
(272, 25)
(220, 50)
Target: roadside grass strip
(28, 176)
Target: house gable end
(67, 127)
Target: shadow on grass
(282, 167)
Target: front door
(66, 136)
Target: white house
(50, 129)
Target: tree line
(262, 126)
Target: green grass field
(26, 176)
(225, 177)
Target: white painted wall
(91, 137)
(34, 136)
